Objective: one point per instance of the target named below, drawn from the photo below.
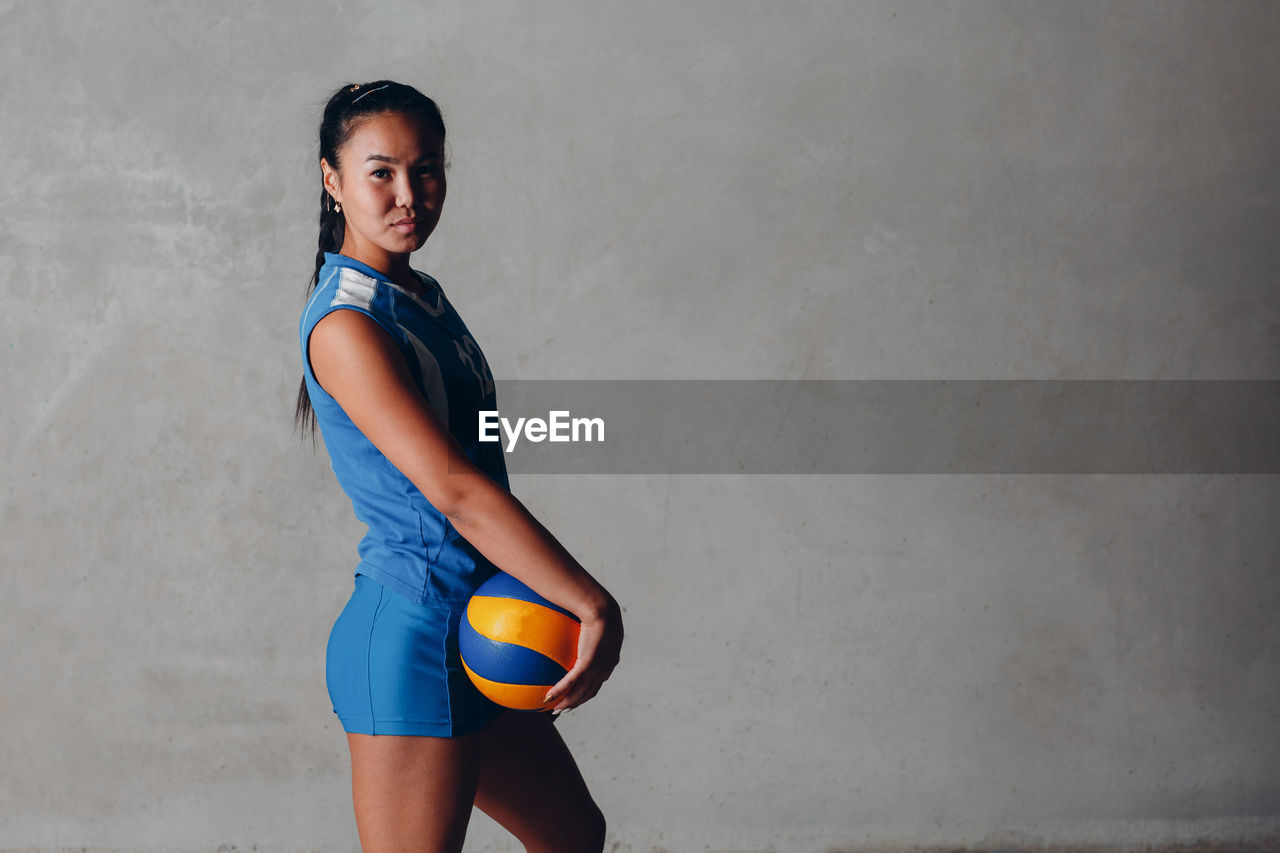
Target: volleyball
(515, 644)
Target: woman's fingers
(572, 690)
(599, 642)
(580, 691)
(581, 688)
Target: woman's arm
(357, 363)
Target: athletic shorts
(393, 668)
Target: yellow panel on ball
(524, 623)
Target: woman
(394, 380)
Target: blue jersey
(410, 547)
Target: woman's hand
(599, 646)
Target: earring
(337, 207)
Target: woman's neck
(394, 266)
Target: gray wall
(861, 190)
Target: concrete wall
(906, 190)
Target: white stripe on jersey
(355, 288)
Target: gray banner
(889, 427)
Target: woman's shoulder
(344, 283)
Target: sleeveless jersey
(410, 546)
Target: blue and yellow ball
(515, 644)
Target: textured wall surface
(736, 190)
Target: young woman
(394, 380)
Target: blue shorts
(393, 668)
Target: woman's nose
(404, 194)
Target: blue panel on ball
(502, 585)
(505, 662)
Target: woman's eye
(381, 173)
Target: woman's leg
(530, 784)
(413, 793)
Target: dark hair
(349, 107)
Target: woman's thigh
(530, 784)
(413, 792)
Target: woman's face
(391, 187)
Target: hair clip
(371, 91)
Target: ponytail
(333, 227)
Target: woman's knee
(593, 830)
(585, 834)
(582, 832)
